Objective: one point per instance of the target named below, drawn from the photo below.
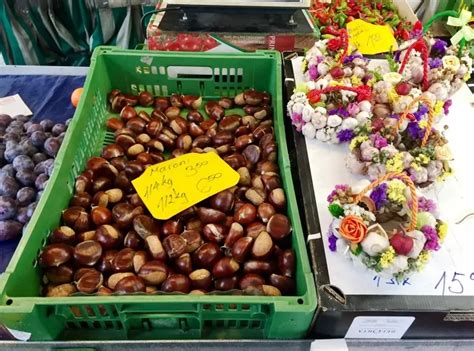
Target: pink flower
(353, 109)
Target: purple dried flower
(341, 112)
(351, 58)
(447, 105)
(414, 131)
(332, 242)
(313, 72)
(379, 195)
(422, 110)
(431, 238)
(378, 141)
(345, 135)
(396, 56)
(439, 48)
(435, 62)
(426, 205)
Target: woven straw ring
(407, 180)
(429, 126)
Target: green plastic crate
(158, 316)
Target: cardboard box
(236, 33)
(435, 317)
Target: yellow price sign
(172, 186)
(371, 39)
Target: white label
(20, 335)
(14, 105)
(375, 327)
(329, 345)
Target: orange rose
(353, 229)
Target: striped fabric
(64, 32)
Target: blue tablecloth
(47, 96)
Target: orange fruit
(75, 96)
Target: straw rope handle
(407, 180)
(429, 126)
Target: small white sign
(329, 345)
(375, 327)
(14, 105)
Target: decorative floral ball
(379, 230)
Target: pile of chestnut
(238, 239)
(27, 152)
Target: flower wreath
(412, 145)
(386, 227)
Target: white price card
(14, 105)
(375, 327)
(329, 345)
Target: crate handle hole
(190, 72)
(300, 301)
(9, 302)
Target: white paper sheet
(451, 269)
(14, 105)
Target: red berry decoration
(403, 88)
(401, 243)
(337, 72)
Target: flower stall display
(334, 105)
(385, 226)
(410, 144)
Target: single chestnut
(101, 215)
(255, 196)
(100, 199)
(81, 200)
(134, 150)
(226, 284)
(119, 163)
(254, 229)
(279, 226)
(101, 184)
(235, 160)
(130, 284)
(210, 215)
(226, 267)
(156, 145)
(271, 182)
(136, 125)
(111, 151)
(172, 112)
(114, 195)
(132, 100)
(172, 226)
(236, 232)
(223, 201)
(262, 247)
(207, 255)
(201, 141)
(179, 125)
(176, 283)
(184, 142)
(194, 116)
(89, 282)
(244, 176)
(192, 238)
(242, 130)
(133, 169)
(154, 128)
(229, 123)
(112, 94)
(145, 116)
(214, 232)
(145, 226)
(116, 277)
(161, 103)
(143, 139)
(251, 280)
(63, 234)
(145, 99)
(153, 272)
(201, 279)
(285, 284)
(108, 236)
(265, 211)
(87, 253)
(174, 245)
(286, 262)
(176, 100)
(226, 102)
(242, 248)
(60, 274)
(127, 113)
(252, 154)
(258, 267)
(191, 101)
(155, 247)
(61, 290)
(208, 124)
(223, 137)
(105, 263)
(246, 214)
(270, 290)
(184, 264)
(124, 213)
(123, 261)
(76, 218)
(139, 259)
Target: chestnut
(145, 226)
(123, 214)
(100, 199)
(84, 236)
(176, 283)
(134, 150)
(174, 245)
(279, 226)
(108, 236)
(87, 253)
(167, 141)
(265, 211)
(207, 255)
(201, 141)
(139, 259)
(127, 113)
(271, 182)
(161, 103)
(226, 284)
(252, 154)
(243, 141)
(210, 215)
(192, 239)
(132, 240)
(133, 169)
(116, 277)
(226, 267)
(130, 284)
(222, 138)
(194, 224)
(118, 103)
(101, 215)
(89, 282)
(201, 279)
(55, 255)
(155, 247)
(153, 272)
(136, 125)
(258, 267)
(236, 232)
(270, 290)
(145, 99)
(242, 130)
(245, 214)
(172, 112)
(156, 145)
(83, 183)
(145, 116)
(191, 101)
(214, 232)
(286, 262)
(123, 261)
(195, 130)
(176, 100)
(114, 195)
(255, 196)
(154, 128)
(208, 124)
(63, 234)
(285, 284)
(172, 227)
(76, 218)
(251, 280)
(82, 199)
(254, 229)
(223, 201)
(229, 123)
(184, 264)
(179, 125)
(101, 184)
(143, 139)
(262, 246)
(119, 163)
(81, 271)
(244, 176)
(111, 151)
(112, 94)
(105, 263)
(60, 274)
(250, 121)
(62, 290)
(194, 116)
(132, 100)
(226, 102)
(235, 160)
(184, 142)
(241, 248)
